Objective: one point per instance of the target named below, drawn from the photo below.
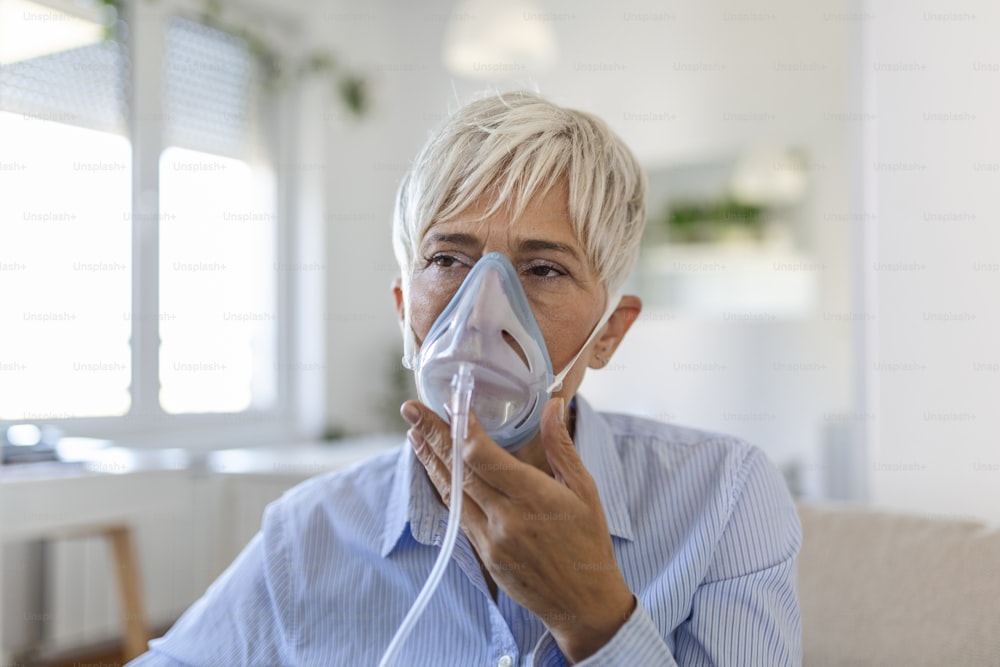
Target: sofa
(888, 589)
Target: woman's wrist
(583, 639)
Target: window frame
(146, 424)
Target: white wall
(933, 167)
(366, 160)
(830, 76)
(722, 77)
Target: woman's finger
(473, 518)
(433, 429)
(434, 435)
(561, 453)
(496, 468)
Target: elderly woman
(587, 538)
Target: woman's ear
(629, 307)
(397, 294)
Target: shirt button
(505, 661)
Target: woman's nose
(488, 303)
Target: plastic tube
(461, 398)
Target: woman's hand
(544, 540)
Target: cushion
(880, 588)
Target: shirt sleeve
(746, 611)
(638, 643)
(238, 621)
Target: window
(66, 248)
(217, 230)
(217, 327)
(138, 251)
(65, 241)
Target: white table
(48, 501)
(119, 489)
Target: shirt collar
(412, 499)
(595, 441)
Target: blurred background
(195, 257)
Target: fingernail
(410, 413)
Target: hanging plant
(277, 70)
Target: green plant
(703, 220)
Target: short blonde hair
(507, 147)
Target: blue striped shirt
(702, 525)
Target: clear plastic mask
(489, 325)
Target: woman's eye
(444, 261)
(545, 271)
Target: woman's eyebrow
(457, 238)
(535, 245)
(463, 240)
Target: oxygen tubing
(461, 399)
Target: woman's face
(564, 291)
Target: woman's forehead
(544, 217)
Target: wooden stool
(133, 609)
